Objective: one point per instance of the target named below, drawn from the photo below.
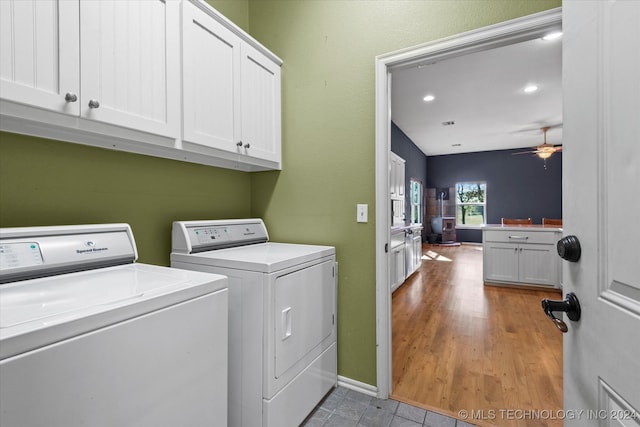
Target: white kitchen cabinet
(231, 93)
(108, 74)
(396, 176)
(413, 249)
(112, 62)
(261, 105)
(397, 272)
(521, 256)
(129, 64)
(211, 87)
(40, 53)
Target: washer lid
(263, 257)
(37, 312)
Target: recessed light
(531, 88)
(552, 36)
(428, 98)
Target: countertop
(528, 227)
(401, 228)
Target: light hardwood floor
(459, 345)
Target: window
(416, 201)
(471, 201)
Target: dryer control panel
(200, 236)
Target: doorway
(503, 34)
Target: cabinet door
(393, 187)
(39, 53)
(417, 252)
(130, 53)
(396, 175)
(501, 262)
(261, 105)
(211, 81)
(400, 178)
(397, 266)
(538, 264)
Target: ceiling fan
(544, 151)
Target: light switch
(363, 212)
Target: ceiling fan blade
(524, 152)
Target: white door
(261, 111)
(39, 54)
(130, 64)
(601, 176)
(211, 86)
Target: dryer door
(303, 316)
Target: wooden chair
(516, 221)
(551, 221)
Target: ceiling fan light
(544, 154)
(545, 151)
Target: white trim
(502, 34)
(383, 229)
(358, 386)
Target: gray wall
(415, 163)
(517, 186)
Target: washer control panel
(20, 255)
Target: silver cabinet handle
(71, 97)
(247, 145)
(93, 103)
(519, 237)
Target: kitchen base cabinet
(413, 251)
(397, 266)
(522, 256)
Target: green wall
(328, 48)
(328, 95)
(45, 182)
(237, 11)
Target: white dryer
(88, 337)
(282, 317)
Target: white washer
(282, 317)
(88, 337)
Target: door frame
(501, 34)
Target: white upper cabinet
(231, 90)
(130, 64)
(396, 175)
(261, 105)
(211, 81)
(108, 73)
(114, 62)
(39, 54)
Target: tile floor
(348, 408)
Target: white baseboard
(357, 386)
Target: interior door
(601, 176)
